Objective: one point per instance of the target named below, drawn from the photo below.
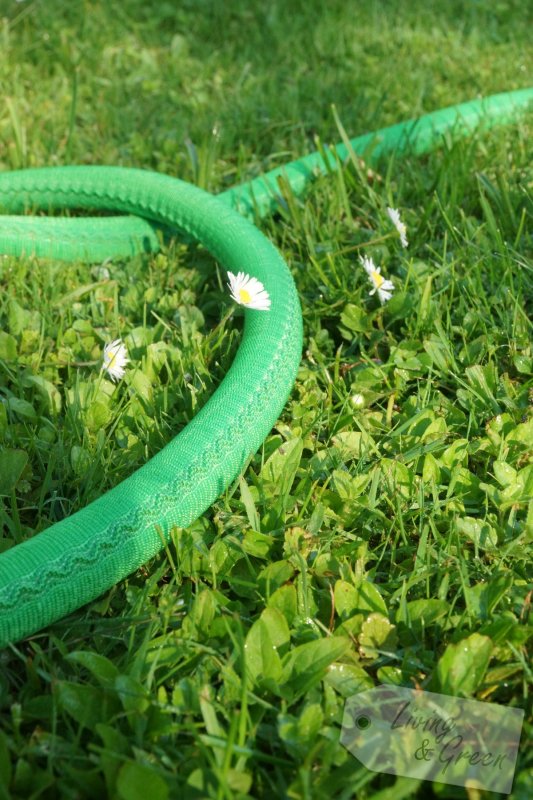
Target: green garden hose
(107, 237)
(77, 559)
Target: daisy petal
(394, 215)
(248, 291)
(381, 285)
(114, 359)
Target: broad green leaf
(12, 463)
(351, 444)
(521, 490)
(398, 476)
(501, 628)
(310, 721)
(496, 588)
(435, 431)
(341, 483)
(138, 338)
(97, 416)
(456, 453)
(139, 782)
(348, 679)
(116, 746)
(113, 739)
(418, 424)
(316, 520)
(29, 781)
(5, 766)
(377, 635)
(8, 346)
(355, 318)
(278, 629)
(273, 576)
(48, 391)
(203, 611)
(299, 733)
(465, 484)
(80, 460)
(522, 434)
(185, 696)
(304, 666)
(505, 473)
(280, 468)
(438, 353)
(399, 306)
(326, 565)
(484, 379)
(156, 356)
(141, 384)
(426, 611)
(501, 426)
(351, 626)
(257, 544)
(101, 667)
(431, 470)
(239, 782)
(262, 659)
(347, 486)
(323, 462)
(481, 533)
(21, 408)
(482, 598)
(523, 364)
(82, 325)
(361, 597)
(132, 694)
(18, 318)
(285, 600)
(461, 668)
(483, 382)
(369, 597)
(84, 703)
(3, 420)
(346, 599)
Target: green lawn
(383, 532)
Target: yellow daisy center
(245, 296)
(377, 278)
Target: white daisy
(394, 215)
(383, 287)
(248, 291)
(115, 357)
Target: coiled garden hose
(77, 559)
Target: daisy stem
(364, 244)
(74, 363)
(224, 319)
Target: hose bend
(80, 557)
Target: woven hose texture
(77, 559)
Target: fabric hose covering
(77, 559)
